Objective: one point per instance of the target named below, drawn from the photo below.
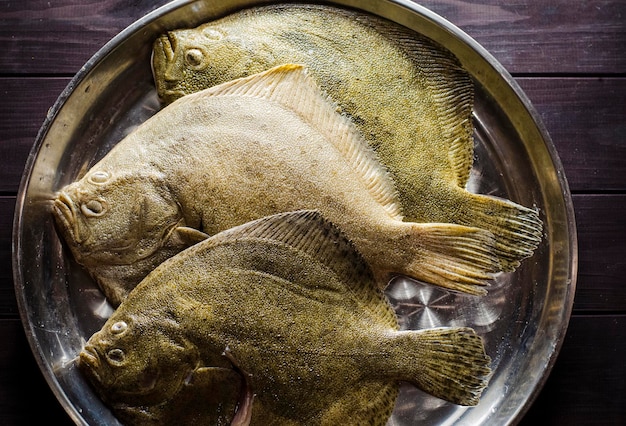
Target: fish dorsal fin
(291, 86)
(309, 232)
(451, 88)
(453, 91)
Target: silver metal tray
(523, 319)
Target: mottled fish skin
(242, 150)
(288, 302)
(410, 97)
(120, 242)
(169, 385)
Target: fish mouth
(177, 93)
(168, 85)
(89, 359)
(63, 208)
(168, 44)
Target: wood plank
(601, 235)
(602, 243)
(585, 119)
(8, 304)
(584, 116)
(533, 36)
(587, 385)
(24, 393)
(594, 395)
(526, 36)
(23, 108)
(44, 37)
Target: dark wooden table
(568, 55)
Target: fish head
(189, 60)
(118, 225)
(138, 360)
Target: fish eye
(119, 327)
(99, 177)
(194, 58)
(92, 208)
(116, 356)
(212, 34)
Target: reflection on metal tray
(523, 318)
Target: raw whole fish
(246, 149)
(410, 97)
(288, 307)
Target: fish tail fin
(449, 363)
(451, 256)
(517, 229)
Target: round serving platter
(522, 320)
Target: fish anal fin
(452, 90)
(370, 403)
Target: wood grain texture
(8, 305)
(23, 107)
(58, 37)
(556, 36)
(584, 117)
(602, 264)
(587, 385)
(569, 58)
(24, 394)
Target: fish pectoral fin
(243, 413)
(220, 387)
(140, 415)
(184, 236)
(115, 289)
(213, 377)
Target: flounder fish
(409, 96)
(287, 303)
(249, 148)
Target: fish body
(246, 149)
(410, 97)
(289, 304)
